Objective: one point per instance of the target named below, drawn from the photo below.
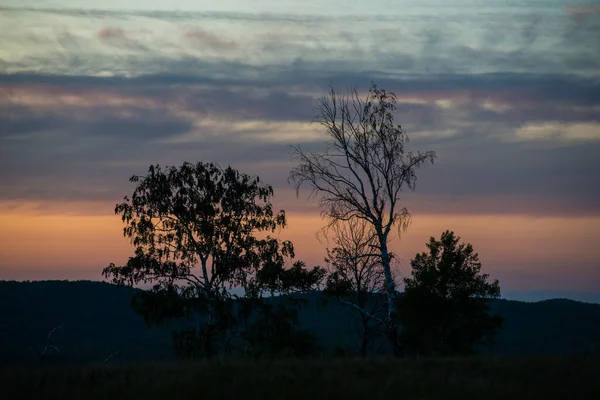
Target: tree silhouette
(198, 231)
(362, 171)
(276, 332)
(356, 276)
(444, 309)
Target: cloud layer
(529, 137)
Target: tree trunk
(392, 324)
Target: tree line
(200, 230)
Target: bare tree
(49, 345)
(111, 355)
(362, 171)
(356, 276)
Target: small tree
(445, 306)
(198, 231)
(356, 276)
(362, 171)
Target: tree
(356, 277)
(275, 332)
(198, 231)
(40, 354)
(445, 306)
(362, 171)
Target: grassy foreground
(470, 378)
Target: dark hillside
(557, 327)
(98, 320)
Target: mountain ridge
(97, 320)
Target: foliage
(362, 171)
(198, 231)
(356, 276)
(445, 306)
(275, 332)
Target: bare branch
(48, 346)
(111, 355)
(362, 311)
(361, 172)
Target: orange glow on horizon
(539, 246)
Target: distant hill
(541, 295)
(98, 320)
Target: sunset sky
(506, 92)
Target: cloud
(579, 13)
(432, 109)
(584, 132)
(367, 42)
(79, 138)
(261, 131)
(514, 88)
(125, 123)
(110, 34)
(511, 116)
(120, 39)
(206, 38)
(462, 205)
(432, 103)
(126, 98)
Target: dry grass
(468, 378)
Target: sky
(506, 92)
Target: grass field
(468, 378)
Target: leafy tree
(356, 277)
(445, 306)
(198, 231)
(362, 171)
